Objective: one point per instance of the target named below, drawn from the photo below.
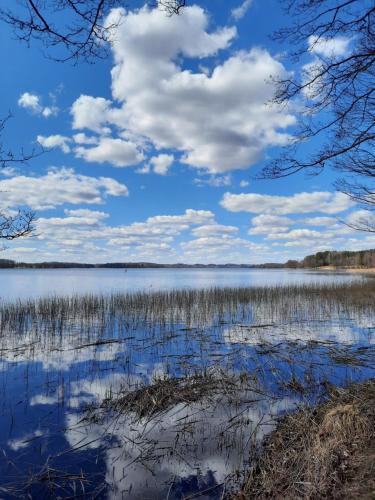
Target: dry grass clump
(326, 452)
(150, 400)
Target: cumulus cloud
(57, 187)
(267, 224)
(214, 181)
(32, 103)
(175, 108)
(326, 48)
(203, 246)
(214, 230)
(361, 219)
(329, 47)
(82, 138)
(190, 217)
(320, 221)
(299, 203)
(300, 234)
(77, 218)
(159, 228)
(117, 152)
(91, 113)
(55, 141)
(240, 11)
(83, 232)
(50, 111)
(161, 163)
(29, 101)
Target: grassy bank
(323, 452)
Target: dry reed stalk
(324, 452)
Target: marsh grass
(322, 452)
(190, 307)
(232, 358)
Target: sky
(154, 152)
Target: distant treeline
(362, 258)
(11, 264)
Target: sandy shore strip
(367, 270)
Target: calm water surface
(26, 283)
(59, 363)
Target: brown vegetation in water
(165, 393)
(325, 452)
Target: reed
(191, 307)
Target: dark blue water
(56, 441)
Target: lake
(155, 384)
(26, 283)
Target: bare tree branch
(21, 223)
(17, 225)
(8, 157)
(337, 90)
(76, 29)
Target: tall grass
(193, 308)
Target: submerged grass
(322, 452)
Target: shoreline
(327, 451)
(367, 270)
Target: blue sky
(153, 151)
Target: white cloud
(175, 108)
(80, 231)
(161, 163)
(267, 224)
(81, 218)
(300, 234)
(299, 203)
(55, 141)
(32, 103)
(240, 11)
(321, 47)
(244, 183)
(159, 228)
(329, 47)
(320, 221)
(145, 169)
(24, 250)
(82, 138)
(85, 212)
(220, 246)
(115, 151)
(57, 187)
(361, 219)
(190, 217)
(50, 111)
(91, 113)
(213, 230)
(8, 171)
(214, 181)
